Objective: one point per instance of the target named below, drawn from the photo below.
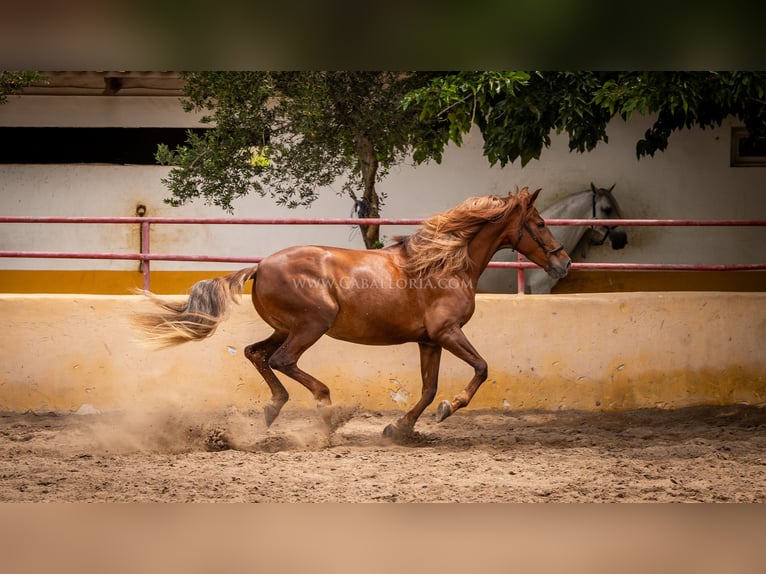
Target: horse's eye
(541, 224)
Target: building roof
(116, 83)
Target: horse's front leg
(430, 356)
(455, 341)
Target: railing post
(145, 251)
(520, 288)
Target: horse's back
(325, 262)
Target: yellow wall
(102, 282)
(591, 352)
(98, 282)
(582, 281)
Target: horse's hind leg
(260, 354)
(430, 356)
(285, 360)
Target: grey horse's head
(605, 206)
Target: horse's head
(605, 206)
(532, 238)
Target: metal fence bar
(127, 256)
(213, 220)
(376, 221)
(640, 266)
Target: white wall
(692, 179)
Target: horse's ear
(533, 197)
(592, 187)
(512, 193)
(611, 188)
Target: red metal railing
(145, 256)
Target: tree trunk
(365, 153)
(369, 167)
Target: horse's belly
(367, 338)
(378, 327)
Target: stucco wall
(593, 352)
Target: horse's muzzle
(558, 265)
(618, 238)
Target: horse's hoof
(270, 413)
(326, 416)
(397, 431)
(335, 417)
(391, 431)
(443, 411)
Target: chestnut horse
(419, 290)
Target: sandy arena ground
(705, 454)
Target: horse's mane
(440, 246)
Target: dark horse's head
(605, 206)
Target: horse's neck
(486, 242)
(575, 206)
(483, 247)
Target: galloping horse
(593, 203)
(419, 290)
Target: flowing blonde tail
(196, 318)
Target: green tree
(517, 111)
(288, 133)
(15, 82)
